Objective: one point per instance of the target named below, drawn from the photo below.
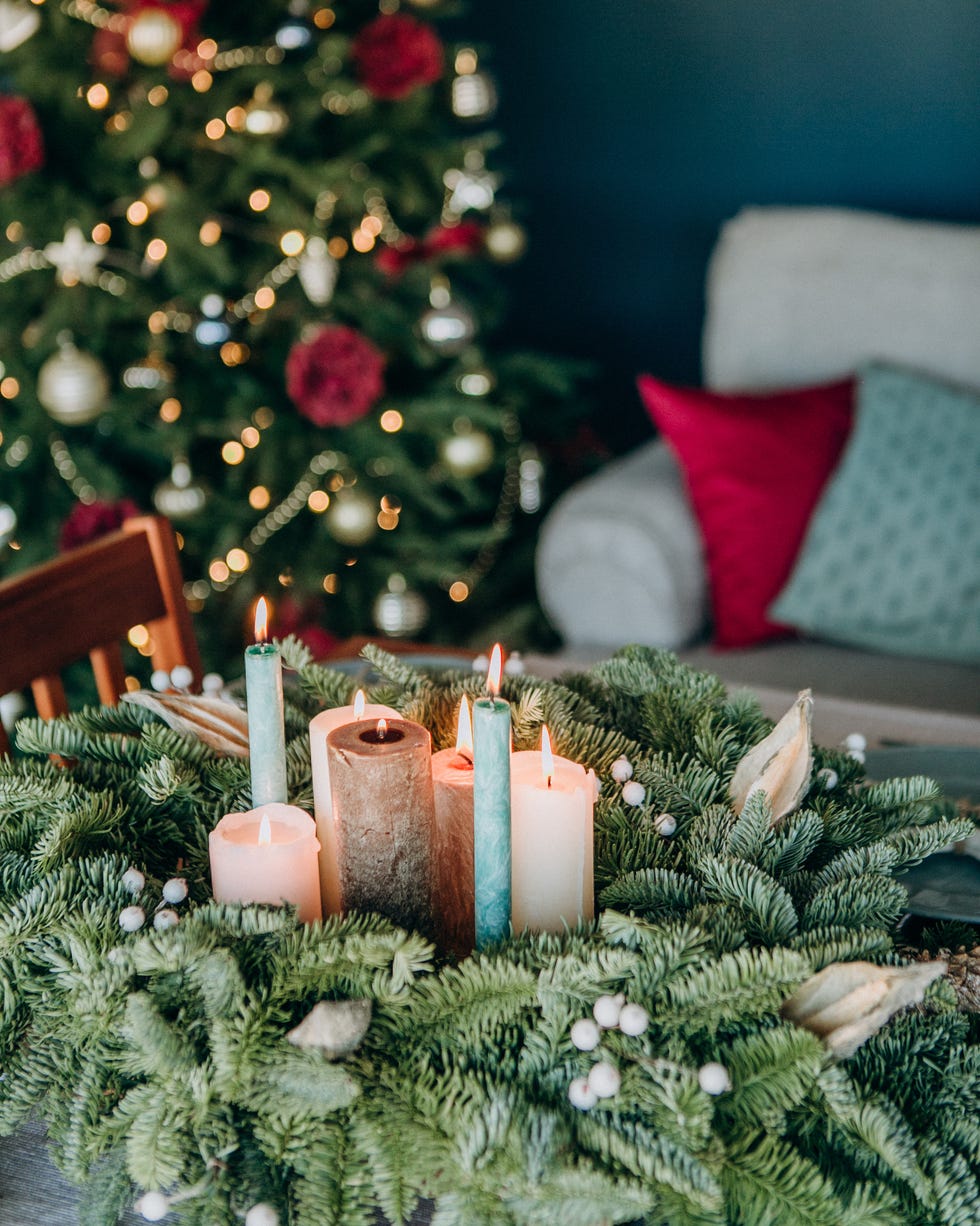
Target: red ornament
(335, 377)
(21, 145)
(395, 54)
(465, 238)
(87, 521)
(299, 618)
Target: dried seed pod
(219, 724)
(335, 1027)
(780, 765)
(847, 1002)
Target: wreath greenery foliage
(158, 1058)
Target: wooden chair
(84, 603)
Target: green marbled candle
(491, 820)
(266, 731)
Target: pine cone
(963, 972)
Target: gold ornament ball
(467, 454)
(73, 386)
(153, 37)
(398, 611)
(351, 518)
(505, 241)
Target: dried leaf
(335, 1027)
(781, 764)
(219, 724)
(847, 1002)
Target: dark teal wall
(633, 128)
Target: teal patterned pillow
(891, 559)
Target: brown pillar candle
(452, 779)
(381, 786)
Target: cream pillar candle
(552, 801)
(320, 726)
(381, 786)
(269, 855)
(452, 898)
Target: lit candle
(452, 781)
(320, 725)
(491, 811)
(381, 785)
(263, 698)
(551, 814)
(268, 854)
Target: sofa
(805, 308)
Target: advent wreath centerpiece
(733, 1039)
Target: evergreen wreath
(159, 1057)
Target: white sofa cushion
(805, 295)
(619, 559)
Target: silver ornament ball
(449, 328)
(73, 386)
(398, 611)
(351, 517)
(474, 95)
(8, 523)
(180, 495)
(466, 453)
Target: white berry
(481, 664)
(212, 683)
(160, 680)
(133, 880)
(829, 778)
(585, 1034)
(607, 1009)
(857, 755)
(856, 740)
(665, 824)
(582, 1095)
(713, 1078)
(181, 676)
(132, 919)
(604, 1079)
(175, 890)
(514, 665)
(262, 1215)
(153, 1206)
(633, 1019)
(634, 793)
(622, 769)
(165, 919)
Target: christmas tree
(248, 269)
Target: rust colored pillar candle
(381, 785)
(452, 901)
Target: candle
(320, 725)
(268, 854)
(551, 813)
(263, 698)
(381, 785)
(491, 811)
(452, 782)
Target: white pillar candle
(269, 855)
(552, 800)
(326, 830)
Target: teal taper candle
(491, 812)
(266, 732)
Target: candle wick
(465, 754)
(549, 781)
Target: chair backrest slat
(84, 603)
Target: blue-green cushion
(891, 559)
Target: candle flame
(382, 729)
(496, 668)
(359, 701)
(464, 728)
(265, 831)
(261, 620)
(547, 758)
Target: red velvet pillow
(755, 466)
